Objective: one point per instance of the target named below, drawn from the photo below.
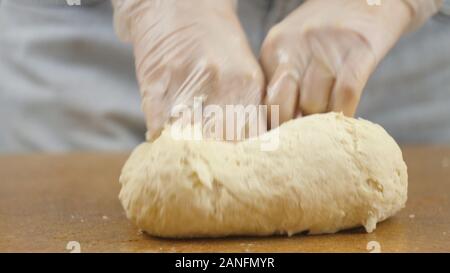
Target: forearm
(124, 10)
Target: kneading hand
(320, 57)
(187, 49)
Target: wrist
(130, 16)
(421, 10)
(402, 14)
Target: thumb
(283, 91)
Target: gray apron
(67, 83)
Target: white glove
(320, 57)
(187, 49)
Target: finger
(249, 123)
(156, 107)
(316, 88)
(237, 96)
(155, 115)
(270, 52)
(351, 80)
(283, 91)
(257, 124)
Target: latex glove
(187, 49)
(320, 57)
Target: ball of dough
(329, 173)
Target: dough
(329, 173)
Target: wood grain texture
(48, 200)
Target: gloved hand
(320, 57)
(187, 49)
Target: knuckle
(256, 78)
(247, 89)
(274, 38)
(250, 75)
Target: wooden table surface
(46, 201)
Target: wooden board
(47, 201)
